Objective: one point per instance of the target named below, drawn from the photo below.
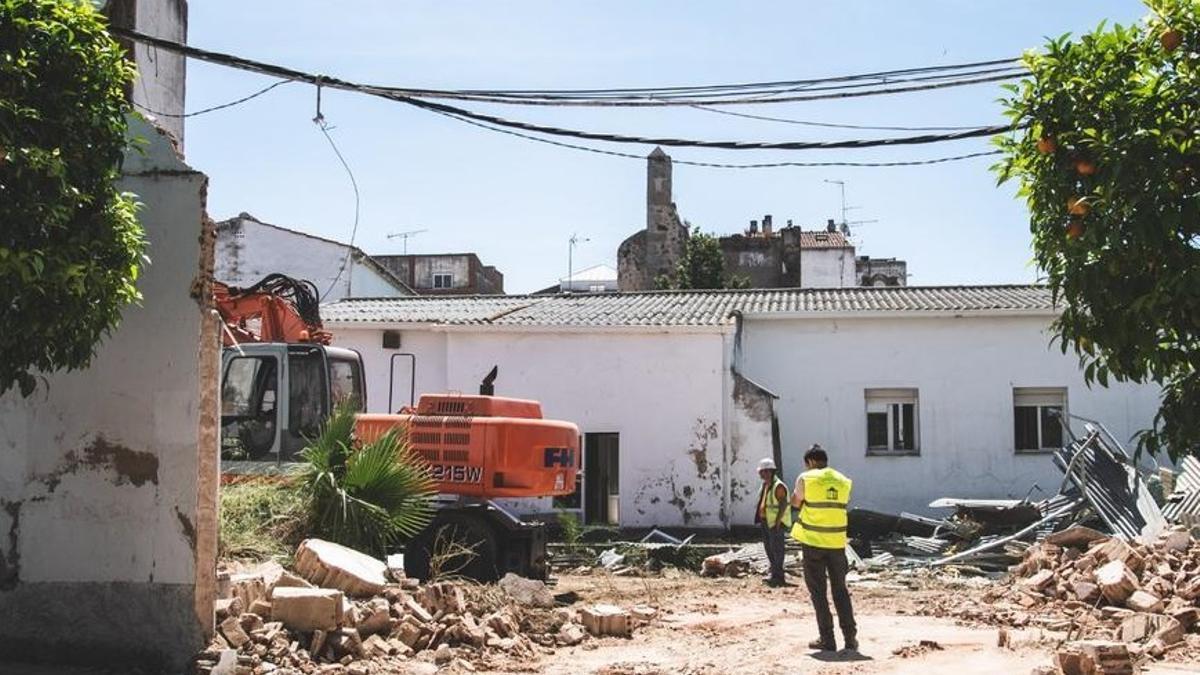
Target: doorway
(601, 476)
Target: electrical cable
(287, 73)
(831, 125)
(718, 165)
(215, 108)
(320, 122)
(753, 85)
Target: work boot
(851, 643)
(823, 645)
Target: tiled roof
(823, 239)
(684, 308)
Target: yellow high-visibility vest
(823, 522)
(769, 506)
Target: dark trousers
(773, 540)
(820, 564)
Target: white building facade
(249, 249)
(918, 393)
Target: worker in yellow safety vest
(774, 514)
(822, 495)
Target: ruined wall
(758, 259)
(651, 253)
(662, 392)
(162, 75)
(751, 420)
(964, 370)
(108, 475)
(881, 271)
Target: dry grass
(260, 520)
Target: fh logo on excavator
(564, 457)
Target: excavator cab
(275, 396)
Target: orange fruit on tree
(1085, 167)
(1075, 228)
(1171, 39)
(1047, 145)
(1078, 206)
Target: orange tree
(70, 245)
(1107, 157)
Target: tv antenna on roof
(405, 236)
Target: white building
(249, 249)
(918, 393)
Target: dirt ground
(710, 626)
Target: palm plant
(369, 495)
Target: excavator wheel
(456, 544)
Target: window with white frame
(892, 421)
(1037, 423)
(596, 288)
(443, 280)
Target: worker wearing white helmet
(774, 514)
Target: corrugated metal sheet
(1100, 469)
(1185, 500)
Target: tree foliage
(70, 245)
(1108, 161)
(702, 266)
(367, 495)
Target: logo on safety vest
(831, 494)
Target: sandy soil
(709, 626)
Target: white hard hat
(767, 464)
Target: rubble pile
(1144, 596)
(339, 615)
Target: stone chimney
(767, 226)
(753, 228)
(830, 226)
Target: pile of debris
(1103, 486)
(1144, 596)
(341, 611)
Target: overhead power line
(831, 125)
(391, 94)
(215, 108)
(721, 165)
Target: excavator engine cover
(486, 447)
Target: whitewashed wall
(827, 268)
(663, 393)
(250, 250)
(965, 370)
(108, 475)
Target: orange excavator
(281, 378)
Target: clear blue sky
(515, 202)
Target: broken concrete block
(1116, 581)
(502, 623)
(1040, 580)
(376, 646)
(331, 565)
(250, 622)
(1186, 616)
(527, 592)
(570, 634)
(1139, 627)
(261, 608)
(1141, 601)
(1086, 592)
(289, 580)
(409, 632)
(414, 608)
(1113, 550)
(375, 617)
(643, 613)
(444, 597)
(232, 631)
(346, 642)
(606, 620)
(247, 588)
(227, 607)
(1075, 537)
(1095, 657)
(306, 609)
(442, 655)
